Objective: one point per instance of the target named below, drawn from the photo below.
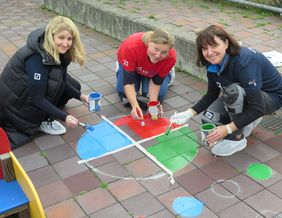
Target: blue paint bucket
(94, 99)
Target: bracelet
(228, 128)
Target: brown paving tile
(275, 143)
(276, 189)
(115, 210)
(108, 110)
(73, 134)
(58, 153)
(262, 134)
(142, 168)
(111, 172)
(203, 157)
(128, 155)
(95, 200)
(67, 208)
(194, 181)
(242, 186)
(101, 161)
(188, 168)
(276, 163)
(240, 161)
(239, 210)
(217, 198)
(162, 214)
(43, 176)
(218, 170)
(265, 201)
(124, 189)
(142, 205)
(158, 185)
(26, 149)
(262, 152)
(82, 182)
(53, 193)
(168, 198)
(33, 161)
(48, 141)
(69, 167)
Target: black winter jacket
(19, 117)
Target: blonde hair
(57, 25)
(159, 36)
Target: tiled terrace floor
(117, 185)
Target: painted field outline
(132, 143)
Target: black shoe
(142, 101)
(125, 102)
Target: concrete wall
(118, 24)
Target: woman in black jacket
(34, 84)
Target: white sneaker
(228, 147)
(52, 127)
(249, 128)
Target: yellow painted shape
(35, 206)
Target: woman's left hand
(84, 99)
(161, 110)
(219, 133)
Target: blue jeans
(140, 80)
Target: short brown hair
(206, 37)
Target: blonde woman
(147, 59)
(34, 84)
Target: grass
(104, 185)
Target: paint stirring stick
(142, 123)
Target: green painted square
(193, 136)
(185, 130)
(171, 135)
(190, 155)
(176, 163)
(162, 152)
(181, 141)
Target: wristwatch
(228, 128)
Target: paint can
(154, 109)
(206, 129)
(94, 99)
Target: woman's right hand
(136, 113)
(71, 121)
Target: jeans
(142, 82)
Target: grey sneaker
(249, 128)
(228, 147)
(52, 127)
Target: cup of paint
(206, 129)
(94, 99)
(154, 109)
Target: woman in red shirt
(147, 59)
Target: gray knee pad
(233, 98)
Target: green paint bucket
(206, 129)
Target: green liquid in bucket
(259, 171)
(208, 126)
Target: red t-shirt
(132, 54)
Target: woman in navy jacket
(242, 87)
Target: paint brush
(86, 126)
(142, 123)
(169, 127)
